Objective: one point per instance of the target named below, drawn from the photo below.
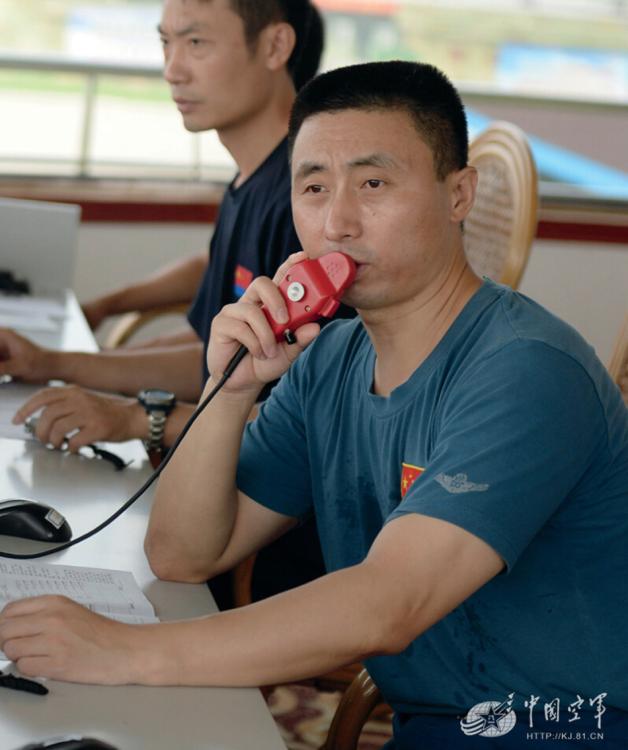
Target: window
(558, 68)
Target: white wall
(585, 284)
(110, 255)
(113, 254)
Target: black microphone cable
(233, 363)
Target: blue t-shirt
(511, 429)
(253, 235)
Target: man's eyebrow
(384, 161)
(307, 168)
(193, 28)
(381, 160)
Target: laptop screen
(38, 243)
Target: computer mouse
(30, 519)
(69, 742)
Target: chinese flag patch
(242, 278)
(409, 474)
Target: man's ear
(278, 40)
(463, 186)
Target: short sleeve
(514, 439)
(273, 467)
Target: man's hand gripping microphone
(312, 290)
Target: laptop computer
(38, 242)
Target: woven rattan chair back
(502, 223)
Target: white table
(131, 718)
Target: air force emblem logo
(490, 719)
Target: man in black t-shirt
(232, 67)
(253, 236)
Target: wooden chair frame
(356, 705)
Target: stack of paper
(26, 313)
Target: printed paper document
(113, 593)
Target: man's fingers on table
(42, 398)
(51, 421)
(32, 604)
(36, 666)
(26, 646)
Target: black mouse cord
(235, 361)
(21, 683)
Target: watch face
(157, 397)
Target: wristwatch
(157, 404)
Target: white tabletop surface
(86, 491)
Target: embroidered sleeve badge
(459, 483)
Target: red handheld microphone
(312, 289)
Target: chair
(618, 365)
(356, 705)
(499, 230)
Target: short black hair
(421, 90)
(304, 18)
